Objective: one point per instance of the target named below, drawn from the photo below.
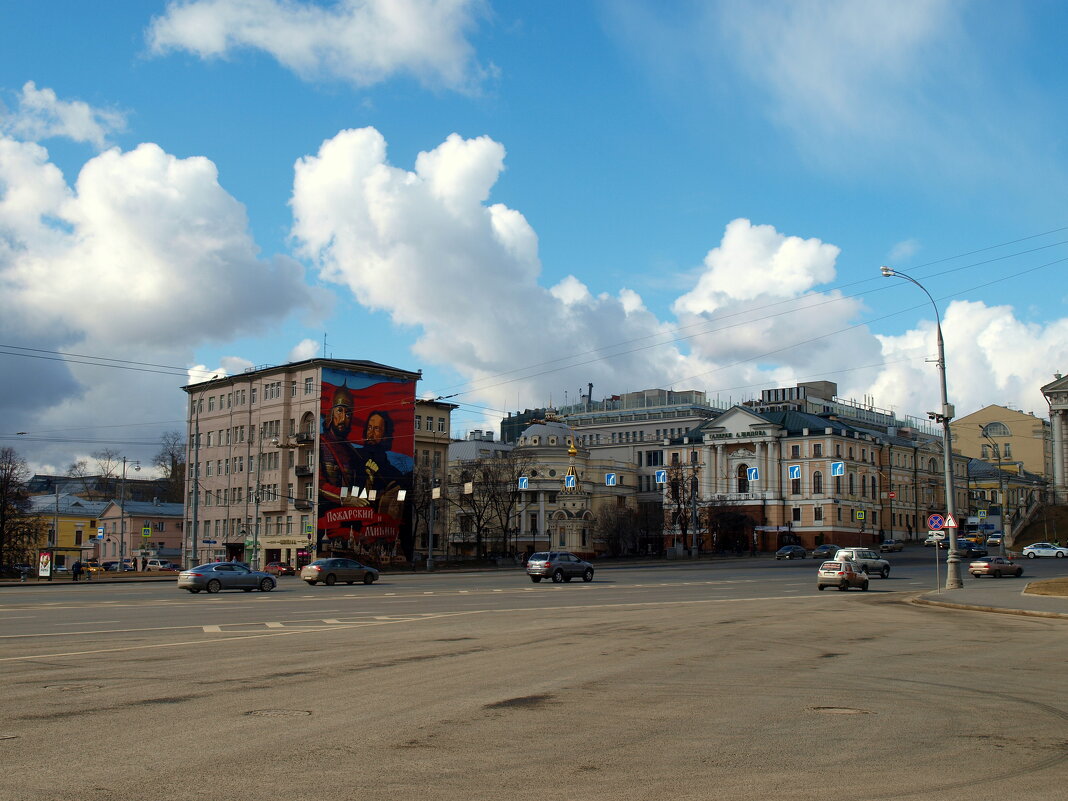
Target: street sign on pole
(524, 483)
(752, 473)
(837, 468)
(936, 522)
(861, 514)
(569, 482)
(795, 471)
(609, 479)
(951, 522)
(100, 532)
(146, 531)
(981, 513)
(661, 476)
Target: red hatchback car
(280, 569)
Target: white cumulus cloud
(144, 258)
(42, 115)
(360, 41)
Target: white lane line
(88, 623)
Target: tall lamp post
(122, 514)
(1001, 485)
(953, 579)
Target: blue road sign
(609, 479)
(837, 468)
(100, 533)
(210, 542)
(661, 476)
(569, 482)
(936, 522)
(752, 473)
(524, 483)
(861, 514)
(981, 513)
(795, 471)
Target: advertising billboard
(367, 428)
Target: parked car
(869, 561)
(559, 566)
(825, 551)
(841, 574)
(18, 570)
(113, 567)
(279, 569)
(996, 566)
(331, 571)
(791, 552)
(1044, 549)
(216, 576)
(891, 546)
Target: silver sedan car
(216, 576)
(331, 571)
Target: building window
(1007, 450)
(795, 486)
(817, 514)
(852, 486)
(743, 477)
(837, 485)
(441, 425)
(817, 483)
(419, 422)
(796, 514)
(817, 449)
(211, 403)
(795, 451)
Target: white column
(1060, 484)
(721, 478)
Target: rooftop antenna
(324, 346)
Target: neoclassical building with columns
(769, 478)
(1056, 393)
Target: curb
(998, 609)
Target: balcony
(304, 438)
(303, 470)
(302, 503)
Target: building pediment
(1056, 392)
(738, 425)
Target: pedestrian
(76, 570)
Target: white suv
(870, 562)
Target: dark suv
(559, 566)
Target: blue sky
(521, 198)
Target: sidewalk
(1010, 596)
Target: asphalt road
(723, 681)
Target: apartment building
(299, 460)
(1014, 439)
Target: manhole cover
(279, 713)
(840, 710)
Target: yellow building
(69, 525)
(1018, 437)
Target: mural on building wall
(365, 464)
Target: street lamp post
(944, 416)
(122, 514)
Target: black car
(970, 549)
(825, 551)
(791, 552)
